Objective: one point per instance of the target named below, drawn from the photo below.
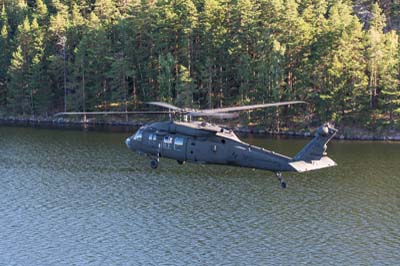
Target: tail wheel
(280, 178)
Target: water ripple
(81, 198)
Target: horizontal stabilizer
(303, 166)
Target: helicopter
(185, 140)
(202, 142)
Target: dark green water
(82, 198)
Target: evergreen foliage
(87, 55)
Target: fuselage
(203, 143)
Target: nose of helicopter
(128, 142)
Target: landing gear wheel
(280, 178)
(153, 163)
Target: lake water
(70, 197)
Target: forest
(340, 56)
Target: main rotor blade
(114, 113)
(249, 107)
(217, 115)
(165, 105)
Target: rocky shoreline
(61, 122)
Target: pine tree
(295, 36)
(389, 75)
(79, 77)
(106, 11)
(184, 88)
(375, 52)
(4, 56)
(165, 77)
(245, 34)
(214, 53)
(41, 12)
(17, 11)
(59, 24)
(96, 46)
(120, 72)
(40, 93)
(142, 57)
(346, 69)
(17, 97)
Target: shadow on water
(81, 197)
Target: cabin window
(178, 144)
(138, 136)
(168, 142)
(152, 137)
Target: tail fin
(313, 156)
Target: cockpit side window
(138, 136)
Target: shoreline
(65, 122)
(60, 123)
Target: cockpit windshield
(138, 136)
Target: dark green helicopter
(202, 142)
